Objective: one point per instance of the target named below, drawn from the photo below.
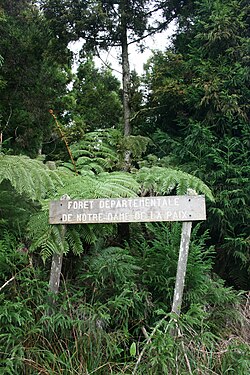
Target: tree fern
(28, 176)
(155, 180)
(103, 150)
(96, 151)
(49, 238)
(103, 185)
(161, 180)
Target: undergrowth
(112, 313)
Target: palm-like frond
(50, 239)
(103, 185)
(27, 176)
(96, 151)
(161, 180)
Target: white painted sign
(125, 210)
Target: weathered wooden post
(182, 266)
(56, 263)
(55, 270)
(182, 263)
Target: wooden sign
(126, 210)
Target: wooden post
(55, 272)
(182, 262)
(182, 266)
(56, 264)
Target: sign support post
(181, 267)
(182, 262)
(56, 263)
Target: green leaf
(132, 349)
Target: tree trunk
(124, 229)
(125, 82)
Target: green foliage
(98, 22)
(114, 264)
(96, 151)
(97, 97)
(13, 255)
(111, 314)
(103, 185)
(49, 238)
(160, 254)
(24, 182)
(103, 150)
(166, 180)
(35, 78)
(193, 350)
(27, 176)
(107, 300)
(136, 144)
(198, 105)
(201, 332)
(2, 83)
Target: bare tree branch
(7, 282)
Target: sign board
(127, 210)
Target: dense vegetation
(183, 125)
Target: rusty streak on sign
(125, 210)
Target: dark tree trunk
(125, 82)
(124, 229)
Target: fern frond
(38, 224)
(136, 144)
(97, 148)
(45, 237)
(50, 239)
(103, 185)
(28, 176)
(164, 180)
(118, 184)
(74, 240)
(113, 263)
(97, 166)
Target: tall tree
(104, 24)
